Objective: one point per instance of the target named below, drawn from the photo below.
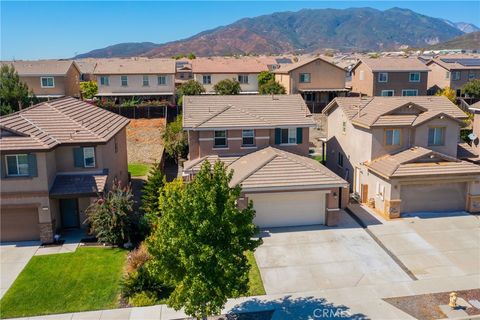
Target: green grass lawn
(255, 279)
(88, 279)
(318, 158)
(138, 169)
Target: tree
(449, 93)
(14, 94)
(151, 192)
(110, 215)
(472, 88)
(189, 88)
(264, 77)
(89, 89)
(175, 139)
(227, 87)
(199, 242)
(192, 56)
(272, 87)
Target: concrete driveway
(14, 256)
(301, 259)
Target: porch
(317, 99)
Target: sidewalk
(353, 303)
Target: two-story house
(318, 80)
(400, 153)
(210, 71)
(56, 158)
(453, 71)
(386, 76)
(183, 72)
(265, 140)
(142, 78)
(49, 79)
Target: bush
(175, 139)
(137, 258)
(143, 280)
(227, 87)
(89, 89)
(151, 192)
(142, 299)
(272, 87)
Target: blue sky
(37, 29)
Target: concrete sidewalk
(353, 303)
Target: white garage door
(289, 208)
(433, 197)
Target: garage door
(433, 197)
(19, 224)
(289, 208)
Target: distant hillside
(463, 26)
(304, 31)
(469, 41)
(121, 50)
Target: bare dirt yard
(319, 132)
(144, 140)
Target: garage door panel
(289, 208)
(433, 197)
(19, 224)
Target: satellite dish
(472, 136)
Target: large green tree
(272, 87)
(175, 139)
(264, 77)
(227, 87)
(472, 88)
(198, 244)
(89, 89)
(189, 88)
(151, 192)
(449, 93)
(14, 94)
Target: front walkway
(71, 242)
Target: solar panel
(464, 62)
(283, 60)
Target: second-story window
(456, 75)
(220, 139)
(414, 77)
(124, 81)
(447, 74)
(471, 75)
(17, 165)
(340, 159)
(162, 80)
(207, 79)
(436, 136)
(289, 136)
(47, 82)
(392, 137)
(248, 137)
(361, 75)
(410, 92)
(104, 81)
(243, 78)
(84, 157)
(382, 77)
(387, 93)
(145, 81)
(304, 77)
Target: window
(162, 80)
(289, 136)
(344, 127)
(340, 160)
(456, 75)
(414, 77)
(380, 190)
(104, 81)
(362, 75)
(409, 92)
(309, 97)
(207, 79)
(304, 77)
(124, 81)
(471, 75)
(382, 77)
(89, 157)
(47, 82)
(220, 139)
(447, 75)
(392, 137)
(243, 78)
(17, 165)
(436, 136)
(248, 137)
(387, 93)
(145, 81)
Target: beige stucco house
(143, 78)
(265, 140)
(318, 80)
(387, 76)
(49, 79)
(400, 153)
(56, 157)
(452, 71)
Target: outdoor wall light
(45, 208)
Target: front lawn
(138, 169)
(88, 279)
(255, 279)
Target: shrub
(89, 89)
(227, 87)
(151, 192)
(142, 299)
(143, 280)
(272, 87)
(137, 258)
(472, 88)
(175, 139)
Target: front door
(69, 211)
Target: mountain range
(307, 30)
(469, 41)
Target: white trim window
(392, 137)
(436, 136)
(104, 81)
(340, 159)
(380, 190)
(248, 137)
(447, 74)
(288, 136)
(410, 92)
(387, 93)
(414, 77)
(383, 77)
(243, 78)
(162, 80)
(220, 139)
(456, 75)
(124, 81)
(17, 165)
(361, 75)
(47, 82)
(471, 75)
(207, 79)
(89, 157)
(305, 77)
(145, 81)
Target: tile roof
(216, 111)
(135, 66)
(231, 64)
(272, 168)
(78, 184)
(61, 121)
(455, 62)
(86, 65)
(419, 161)
(40, 67)
(467, 152)
(377, 111)
(286, 68)
(393, 64)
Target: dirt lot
(144, 141)
(319, 132)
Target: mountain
(305, 31)
(468, 41)
(121, 50)
(463, 26)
